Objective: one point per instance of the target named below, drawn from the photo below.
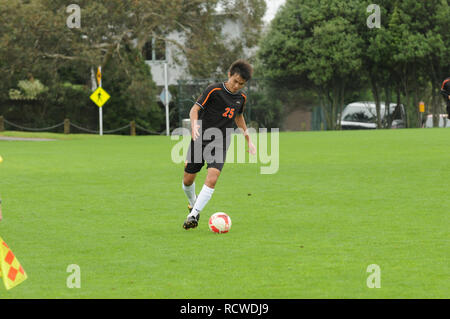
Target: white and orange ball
(219, 223)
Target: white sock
(190, 193)
(202, 199)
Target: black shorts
(212, 152)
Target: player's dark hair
(243, 68)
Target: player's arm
(240, 122)
(193, 115)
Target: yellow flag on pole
(10, 269)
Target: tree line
(332, 49)
(48, 67)
(326, 52)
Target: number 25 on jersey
(229, 112)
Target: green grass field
(340, 201)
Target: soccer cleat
(190, 210)
(190, 222)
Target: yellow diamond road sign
(100, 96)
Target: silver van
(363, 115)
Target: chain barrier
(80, 128)
(33, 129)
(84, 129)
(145, 130)
(116, 130)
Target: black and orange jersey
(445, 90)
(219, 107)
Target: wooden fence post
(133, 128)
(2, 124)
(66, 126)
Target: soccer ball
(219, 223)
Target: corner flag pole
(100, 109)
(166, 89)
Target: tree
(437, 60)
(36, 42)
(376, 59)
(327, 46)
(316, 44)
(406, 52)
(208, 51)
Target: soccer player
(445, 91)
(218, 107)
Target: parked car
(363, 115)
(443, 121)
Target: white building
(157, 53)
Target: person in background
(445, 91)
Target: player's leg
(448, 106)
(212, 176)
(216, 161)
(214, 169)
(207, 191)
(192, 166)
(189, 188)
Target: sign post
(100, 97)
(166, 98)
(421, 111)
(100, 110)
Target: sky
(272, 7)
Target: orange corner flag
(10, 268)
